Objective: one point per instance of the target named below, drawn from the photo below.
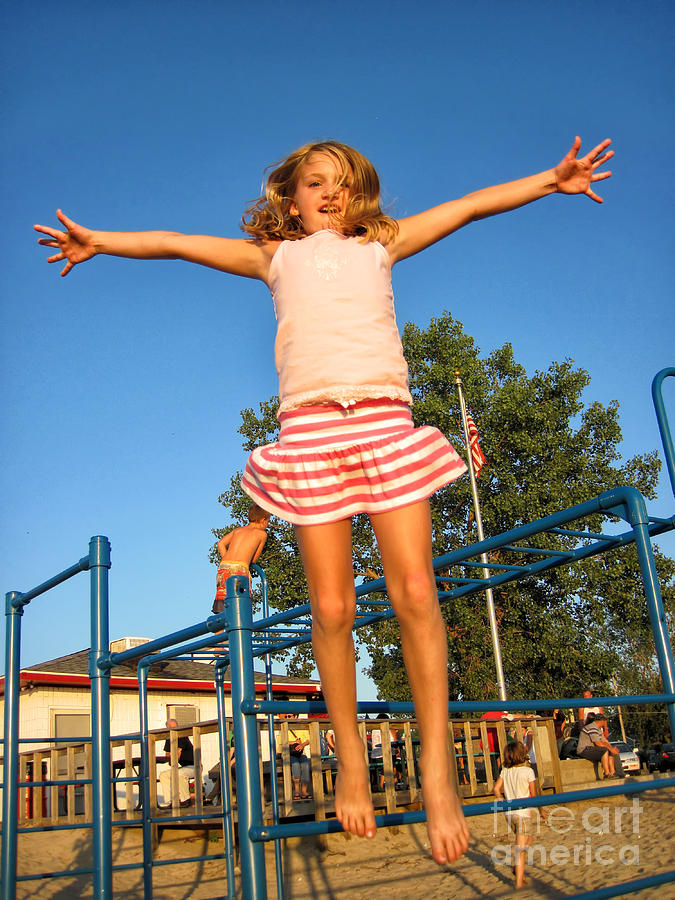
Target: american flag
(476, 453)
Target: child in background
(517, 782)
(319, 240)
(239, 549)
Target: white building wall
(38, 704)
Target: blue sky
(123, 383)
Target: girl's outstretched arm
(76, 244)
(572, 175)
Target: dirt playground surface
(585, 846)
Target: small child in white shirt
(517, 782)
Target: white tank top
(337, 339)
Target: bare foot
(446, 827)
(353, 805)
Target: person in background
(517, 781)
(595, 747)
(238, 550)
(301, 765)
(529, 724)
(214, 796)
(186, 768)
(559, 728)
(598, 711)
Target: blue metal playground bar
(241, 640)
(97, 563)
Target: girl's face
(319, 196)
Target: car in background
(666, 757)
(630, 761)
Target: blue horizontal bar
(170, 640)
(591, 535)
(487, 565)
(68, 873)
(172, 862)
(24, 597)
(252, 707)
(288, 615)
(119, 868)
(626, 887)
(656, 520)
(28, 785)
(117, 823)
(68, 827)
(450, 579)
(332, 826)
(181, 818)
(539, 551)
(72, 740)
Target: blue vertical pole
(143, 666)
(99, 563)
(269, 695)
(224, 748)
(657, 616)
(13, 613)
(249, 802)
(636, 514)
(662, 419)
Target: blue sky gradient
(123, 383)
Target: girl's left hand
(576, 176)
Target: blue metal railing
(97, 563)
(662, 419)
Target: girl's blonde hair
(270, 218)
(515, 754)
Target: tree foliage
(546, 450)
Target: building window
(70, 724)
(183, 713)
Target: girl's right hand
(75, 244)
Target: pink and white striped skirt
(331, 463)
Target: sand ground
(586, 846)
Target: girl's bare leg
(404, 538)
(522, 843)
(326, 552)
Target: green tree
(546, 450)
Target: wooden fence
(395, 776)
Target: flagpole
(496, 649)
(618, 709)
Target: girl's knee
(333, 612)
(417, 594)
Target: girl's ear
(293, 209)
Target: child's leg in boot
(404, 537)
(326, 552)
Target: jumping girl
(319, 240)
